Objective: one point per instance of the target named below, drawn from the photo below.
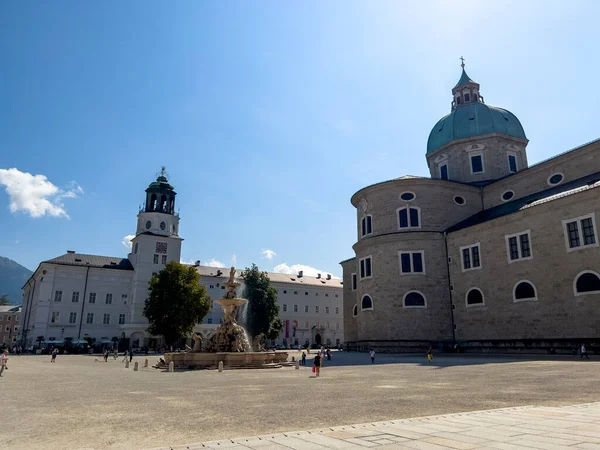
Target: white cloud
(268, 254)
(212, 263)
(35, 195)
(295, 268)
(126, 241)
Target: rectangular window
(353, 281)
(75, 298)
(155, 259)
(470, 257)
(408, 217)
(476, 163)
(337, 326)
(365, 268)
(306, 325)
(106, 320)
(209, 320)
(316, 309)
(121, 319)
(512, 163)
(295, 308)
(412, 262)
(305, 308)
(327, 310)
(55, 317)
(337, 310)
(295, 292)
(305, 293)
(109, 299)
(58, 296)
(317, 324)
(212, 286)
(284, 308)
(580, 232)
(327, 324)
(444, 171)
(163, 259)
(92, 297)
(326, 295)
(73, 317)
(366, 225)
(124, 299)
(90, 318)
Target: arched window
(366, 303)
(354, 310)
(409, 217)
(414, 299)
(587, 282)
(475, 297)
(163, 203)
(153, 202)
(524, 291)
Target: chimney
(329, 276)
(300, 273)
(197, 263)
(318, 275)
(71, 251)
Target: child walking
(429, 354)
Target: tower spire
(462, 62)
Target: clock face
(163, 225)
(148, 225)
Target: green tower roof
(474, 119)
(464, 78)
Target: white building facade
(79, 296)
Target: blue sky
(268, 115)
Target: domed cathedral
(488, 253)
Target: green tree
(3, 300)
(263, 311)
(176, 302)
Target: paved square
(81, 403)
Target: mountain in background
(12, 278)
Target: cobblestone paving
(81, 402)
(566, 427)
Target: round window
(459, 200)
(148, 225)
(407, 196)
(507, 195)
(163, 225)
(555, 179)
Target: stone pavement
(527, 427)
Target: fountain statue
(229, 343)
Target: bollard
(127, 364)
(135, 367)
(146, 363)
(293, 359)
(220, 366)
(171, 366)
(297, 365)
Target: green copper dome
(474, 119)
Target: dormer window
(467, 98)
(474, 97)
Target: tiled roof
(564, 190)
(10, 308)
(207, 271)
(79, 259)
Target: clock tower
(156, 242)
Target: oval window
(148, 225)
(555, 179)
(163, 225)
(407, 196)
(507, 196)
(459, 200)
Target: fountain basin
(231, 360)
(225, 302)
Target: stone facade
(513, 239)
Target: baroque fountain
(229, 343)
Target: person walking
(328, 353)
(124, 356)
(372, 354)
(583, 352)
(130, 355)
(115, 352)
(303, 358)
(54, 353)
(3, 361)
(105, 355)
(317, 364)
(429, 354)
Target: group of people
(115, 354)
